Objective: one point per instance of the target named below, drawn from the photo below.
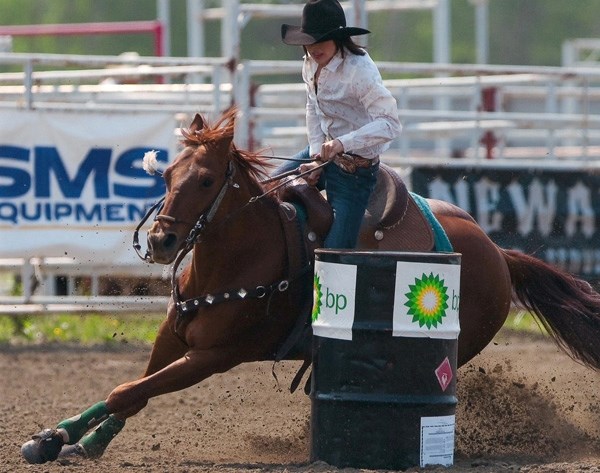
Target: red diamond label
(444, 374)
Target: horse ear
(197, 123)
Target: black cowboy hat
(321, 20)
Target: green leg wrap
(96, 442)
(74, 428)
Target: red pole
(71, 29)
(489, 140)
(158, 39)
(66, 29)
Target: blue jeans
(348, 194)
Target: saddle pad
(441, 240)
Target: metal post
(195, 28)
(230, 32)
(27, 275)
(95, 289)
(551, 109)
(441, 55)
(359, 17)
(441, 21)
(217, 81)
(481, 31)
(164, 17)
(28, 82)
(242, 92)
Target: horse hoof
(43, 446)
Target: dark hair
(348, 43)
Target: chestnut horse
(241, 294)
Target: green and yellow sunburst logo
(427, 300)
(317, 296)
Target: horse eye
(207, 182)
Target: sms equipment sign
(72, 183)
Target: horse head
(196, 179)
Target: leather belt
(351, 162)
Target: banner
(552, 214)
(72, 183)
(426, 301)
(334, 300)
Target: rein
(286, 182)
(136, 241)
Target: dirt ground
(522, 406)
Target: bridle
(190, 305)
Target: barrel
(383, 389)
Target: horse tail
(567, 307)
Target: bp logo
(317, 296)
(427, 300)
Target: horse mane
(254, 163)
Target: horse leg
(196, 365)
(167, 348)
(129, 398)
(48, 444)
(93, 444)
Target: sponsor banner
(553, 214)
(334, 300)
(72, 183)
(426, 301)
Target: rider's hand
(312, 177)
(330, 149)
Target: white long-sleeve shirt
(350, 104)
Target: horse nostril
(170, 240)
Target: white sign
(334, 300)
(72, 183)
(426, 300)
(437, 440)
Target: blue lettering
(21, 180)
(62, 210)
(43, 173)
(135, 213)
(8, 212)
(113, 213)
(48, 161)
(67, 211)
(34, 215)
(95, 213)
(48, 211)
(124, 167)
